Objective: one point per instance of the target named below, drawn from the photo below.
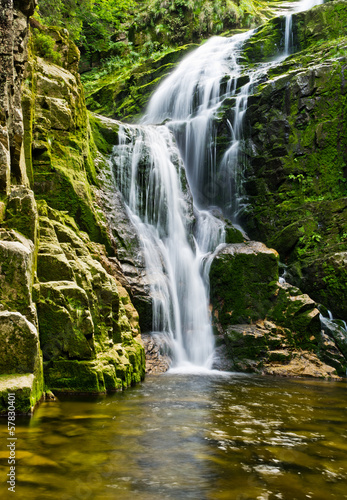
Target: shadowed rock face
(295, 162)
(13, 56)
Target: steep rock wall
(58, 284)
(295, 154)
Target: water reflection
(187, 437)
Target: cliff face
(295, 153)
(66, 321)
(13, 56)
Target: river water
(201, 437)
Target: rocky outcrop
(295, 163)
(243, 279)
(268, 349)
(126, 98)
(269, 327)
(13, 57)
(83, 319)
(61, 293)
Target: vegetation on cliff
(65, 304)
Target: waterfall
(188, 102)
(148, 174)
(178, 140)
(288, 34)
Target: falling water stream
(177, 141)
(221, 436)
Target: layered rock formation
(295, 161)
(270, 327)
(66, 320)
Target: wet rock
(302, 364)
(21, 378)
(16, 273)
(89, 329)
(157, 354)
(266, 348)
(243, 279)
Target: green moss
(74, 376)
(243, 285)
(124, 94)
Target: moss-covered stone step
(22, 390)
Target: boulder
(266, 348)
(20, 363)
(16, 273)
(243, 281)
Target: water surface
(202, 437)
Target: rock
(14, 28)
(20, 363)
(337, 333)
(325, 279)
(299, 313)
(243, 279)
(19, 344)
(21, 212)
(157, 354)
(27, 392)
(16, 273)
(303, 364)
(88, 325)
(265, 348)
(126, 99)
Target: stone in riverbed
(265, 348)
(243, 280)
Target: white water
(149, 171)
(188, 101)
(148, 175)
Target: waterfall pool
(202, 437)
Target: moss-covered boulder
(17, 266)
(243, 280)
(20, 363)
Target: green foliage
(44, 47)
(92, 24)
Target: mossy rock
(243, 281)
(124, 96)
(17, 258)
(27, 392)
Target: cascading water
(188, 102)
(148, 169)
(148, 175)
